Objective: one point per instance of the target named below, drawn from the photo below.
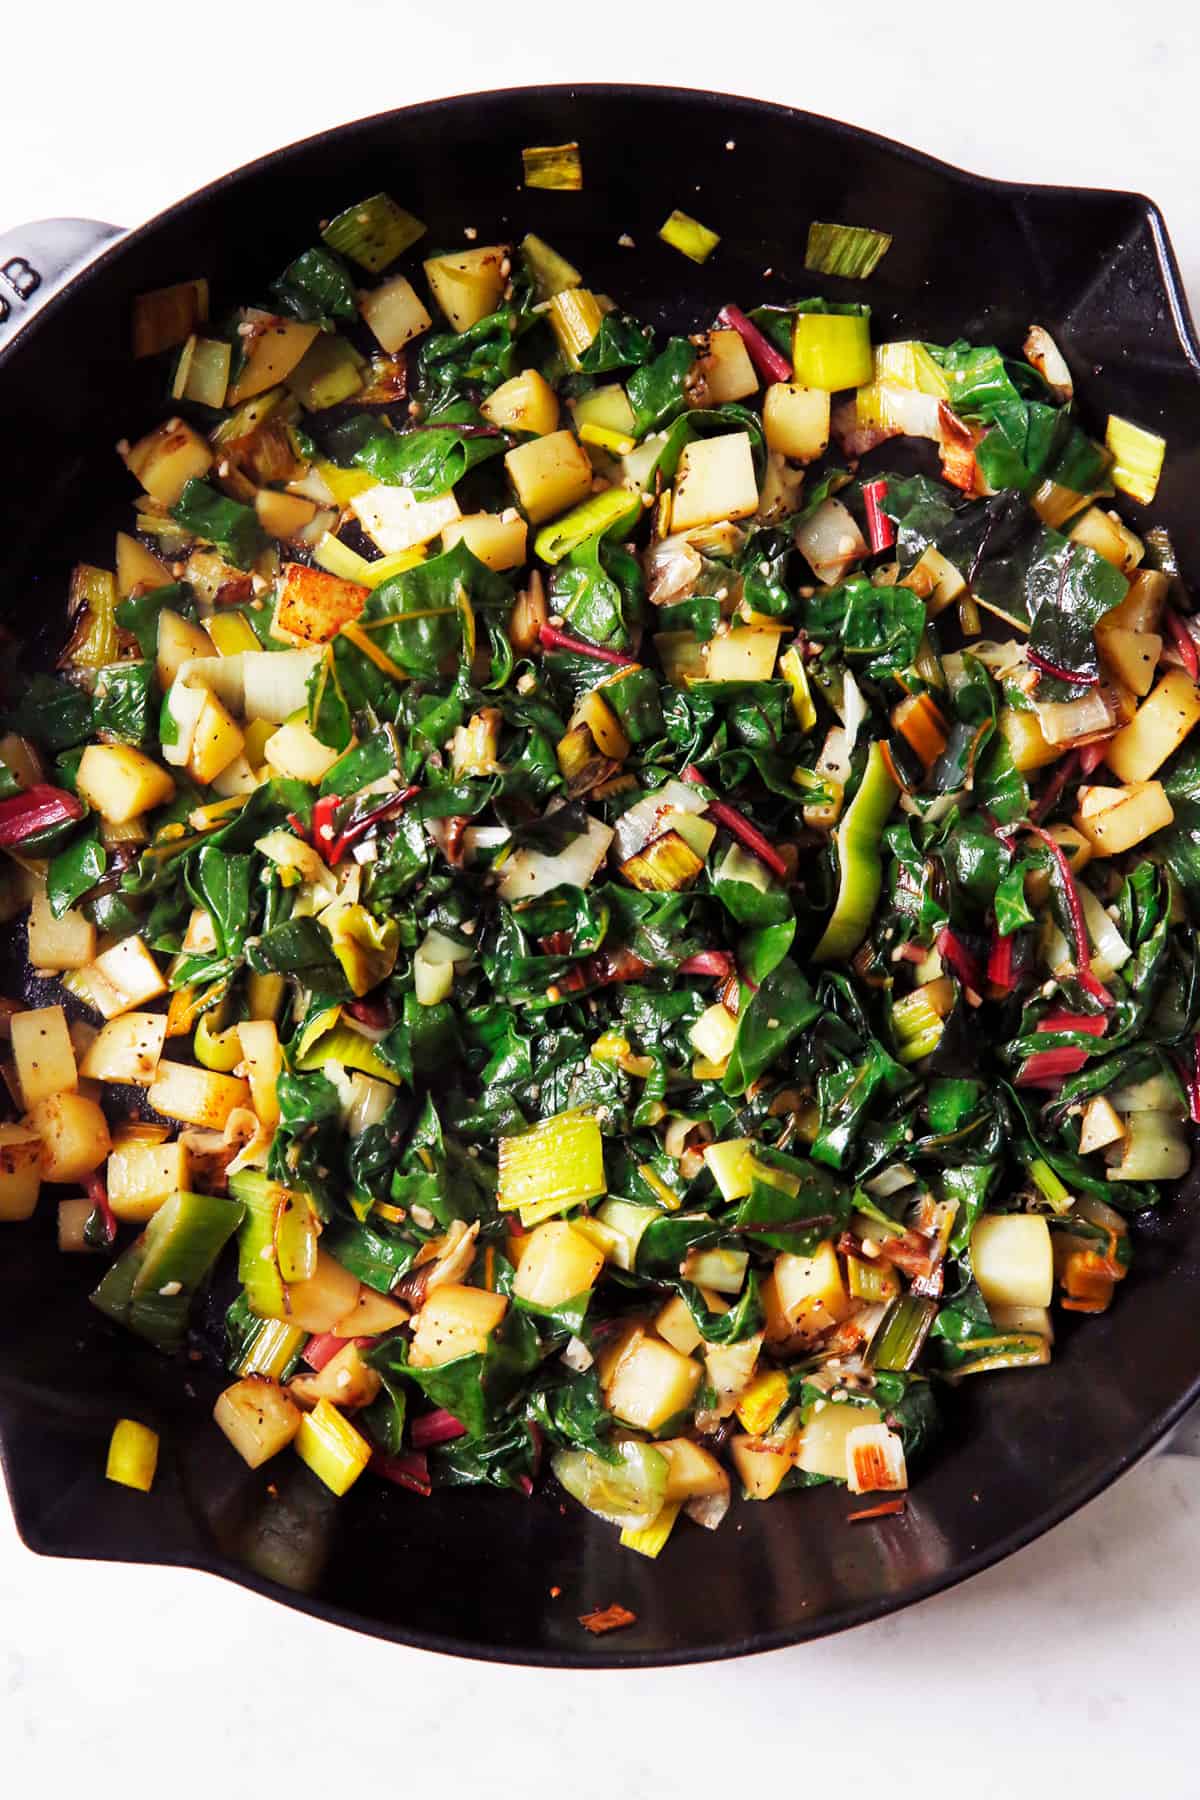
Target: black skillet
(482, 1573)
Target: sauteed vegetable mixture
(638, 891)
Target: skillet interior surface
(472, 1572)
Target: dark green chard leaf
(316, 287)
(233, 528)
(139, 614)
(782, 1008)
(432, 458)
(75, 870)
(53, 713)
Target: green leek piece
(202, 372)
(615, 509)
(832, 350)
(150, 1287)
(551, 272)
(1058, 1197)
(850, 250)
(273, 1350)
(329, 372)
(629, 1492)
(861, 872)
(557, 1164)
(902, 1332)
(373, 233)
(553, 166)
(342, 1044)
(277, 1242)
(1137, 458)
(688, 236)
(917, 1025)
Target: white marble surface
(1072, 1660)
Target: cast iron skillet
(479, 1573)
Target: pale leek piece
(850, 250)
(553, 166)
(651, 1538)
(202, 372)
(373, 233)
(1137, 458)
(556, 1165)
(132, 1455)
(689, 237)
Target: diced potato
(395, 520)
(675, 1324)
(761, 1465)
(258, 1418)
(1131, 655)
(1026, 741)
(723, 366)
(796, 420)
(20, 1171)
(127, 975)
(271, 355)
(1157, 729)
(43, 1053)
(326, 1297)
(346, 1380)
(216, 741)
(74, 1134)
(196, 1096)
(608, 407)
(395, 312)
(715, 480)
(66, 943)
(370, 1315)
(497, 539)
(744, 654)
(468, 286)
(455, 1321)
(165, 460)
(1109, 537)
(127, 1049)
(550, 474)
(811, 1292)
(822, 1449)
(1102, 1125)
(141, 1176)
(1012, 1258)
(282, 516)
(1159, 1092)
(714, 1034)
(557, 1263)
(121, 782)
(1139, 810)
(694, 1471)
(264, 1065)
(1141, 609)
(73, 1216)
(730, 1369)
(313, 606)
(179, 640)
(1155, 1148)
(138, 566)
(651, 1384)
(732, 1166)
(526, 403)
(294, 751)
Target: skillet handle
(36, 260)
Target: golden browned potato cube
(497, 539)
(74, 1134)
(761, 1465)
(196, 1096)
(346, 1381)
(455, 1321)
(127, 976)
(525, 403)
(822, 1449)
(141, 1176)
(179, 640)
(216, 741)
(675, 1324)
(1137, 812)
(469, 285)
(313, 606)
(812, 1294)
(294, 751)
(272, 352)
(715, 480)
(164, 461)
(20, 1171)
(723, 365)
(43, 1053)
(136, 564)
(121, 782)
(371, 1314)
(651, 1384)
(283, 515)
(694, 1472)
(1157, 729)
(395, 312)
(328, 1295)
(550, 474)
(66, 943)
(796, 420)
(258, 1418)
(126, 1050)
(1026, 741)
(1109, 537)
(557, 1264)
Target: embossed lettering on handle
(37, 260)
